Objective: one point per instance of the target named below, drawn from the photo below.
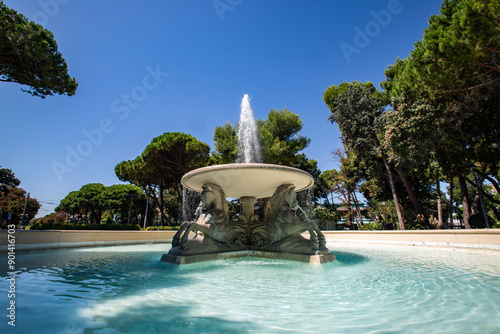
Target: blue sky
(149, 67)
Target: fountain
(277, 236)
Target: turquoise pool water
(370, 289)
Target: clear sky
(149, 67)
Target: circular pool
(370, 289)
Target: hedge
(162, 228)
(71, 226)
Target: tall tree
(126, 200)
(93, 200)
(29, 56)
(13, 202)
(456, 66)
(147, 177)
(350, 177)
(356, 108)
(90, 199)
(70, 204)
(160, 167)
(412, 138)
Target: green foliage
(343, 184)
(418, 223)
(371, 227)
(54, 217)
(279, 137)
(356, 109)
(162, 228)
(173, 154)
(414, 136)
(459, 49)
(384, 213)
(445, 115)
(333, 93)
(280, 140)
(443, 118)
(122, 199)
(234, 209)
(226, 144)
(70, 226)
(324, 214)
(88, 201)
(458, 53)
(70, 203)
(13, 201)
(29, 56)
(94, 202)
(160, 167)
(7, 179)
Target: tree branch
(489, 196)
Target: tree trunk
(496, 212)
(479, 187)
(440, 206)
(358, 209)
(158, 204)
(161, 204)
(493, 182)
(465, 200)
(416, 203)
(450, 206)
(97, 214)
(349, 210)
(394, 194)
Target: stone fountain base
(186, 259)
(278, 234)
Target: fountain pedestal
(247, 210)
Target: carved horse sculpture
(214, 223)
(284, 227)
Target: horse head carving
(284, 200)
(213, 201)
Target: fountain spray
(248, 141)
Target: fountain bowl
(258, 180)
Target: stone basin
(257, 180)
